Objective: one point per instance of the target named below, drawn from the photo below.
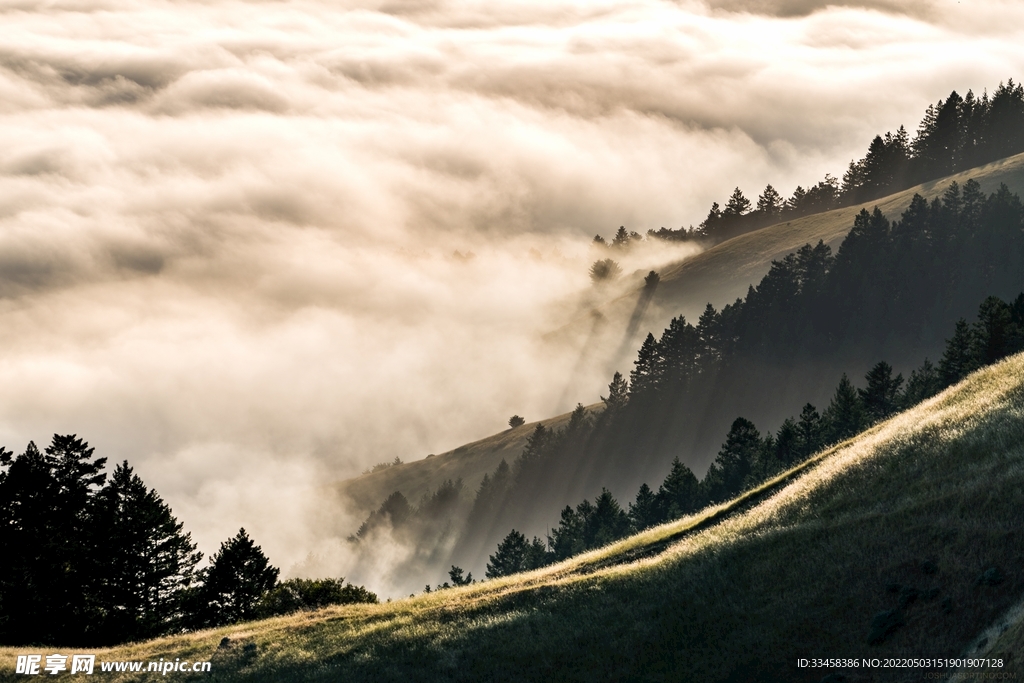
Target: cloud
(227, 230)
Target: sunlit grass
(795, 568)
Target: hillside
(718, 275)
(723, 272)
(908, 535)
(470, 462)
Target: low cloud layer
(254, 248)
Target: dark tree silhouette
(148, 561)
(881, 398)
(844, 416)
(728, 472)
(48, 564)
(645, 375)
(924, 383)
(308, 594)
(604, 270)
(238, 577)
(392, 513)
(770, 204)
(618, 395)
(678, 494)
(516, 421)
(958, 360)
(455, 574)
(608, 522)
(738, 205)
(809, 431)
(509, 558)
(568, 538)
(643, 513)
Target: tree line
(746, 458)
(88, 560)
(888, 290)
(397, 515)
(955, 134)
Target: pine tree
(924, 383)
(510, 557)
(734, 462)
(27, 489)
(766, 463)
(679, 346)
(958, 360)
(239, 575)
(645, 376)
(795, 204)
(604, 270)
(622, 238)
(738, 205)
(579, 423)
(536, 444)
(494, 488)
(992, 332)
(608, 522)
(678, 494)
(567, 539)
(436, 505)
(881, 398)
(643, 513)
(48, 565)
(709, 337)
(147, 561)
(618, 395)
(787, 445)
(844, 416)
(769, 204)
(455, 574)
(711, 226)
(854, 180)
(537, 555)
(391, 514)
(809, 431)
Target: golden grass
(797, 568)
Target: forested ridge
(746, 458)
(955, 134)
(890, 284)
(893, 288)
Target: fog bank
(256, 247)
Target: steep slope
(718, 275)
(722, 273)
(902, 542)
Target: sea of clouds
(255, 247)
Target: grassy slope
(796, 569)
(718, 275)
